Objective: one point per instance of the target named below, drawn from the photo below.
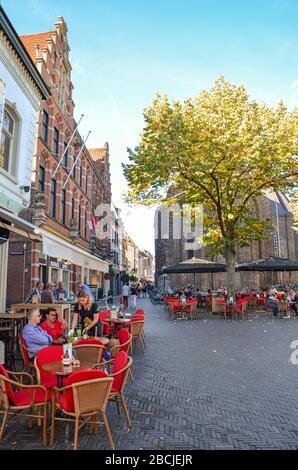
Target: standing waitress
(85, 307)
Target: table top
(117, 320)
(58, 368)
(29, 306)
(12, 316)
(104, 341)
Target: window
(45, 126)
(79, 218)
(41, 180)
(86, 184)
(72, 207)
(63, 206)
(85, 227)
(7, 141)
(81, 176)
(62, 87)
(65, 159)
(56, 141)
(53, 199)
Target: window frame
(56, 134)
(14, 150)
(45, 127)
(53, 206)
(63, 206)
(41, 178)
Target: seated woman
(85, 307)
(53, 325)
(293, 301)
(272, 302)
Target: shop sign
(54, 263)
(64, 266)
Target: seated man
(35, 337)
(272, 302)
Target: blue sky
(123, 52)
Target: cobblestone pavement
(202, 384)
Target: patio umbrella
(195, 265)
(272, 263)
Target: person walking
(125, 293)
(133, 295)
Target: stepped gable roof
(30, 42)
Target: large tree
(220, 149)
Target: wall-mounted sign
(64, 266)
(53, 263)
(15, 253)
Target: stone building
(280, 242)
(63, 195)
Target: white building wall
(21, 94)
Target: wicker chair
(136, 329)
(25, 397)
(25, 356)
(84, 396)
(121, 367)
(252, 303)
(89, 352)
(282, 308)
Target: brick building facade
(281, 242)
(62, 202)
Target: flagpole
(76, 160)
(66, 148)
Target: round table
(118, 322)
(62, 371)
(104, 341)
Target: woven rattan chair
(136, 328)
(16, 397)
(28, 363)
(83, 398)
(221, 309)
(121, 367)
(89, 352)
(252, 303)
(282, 308)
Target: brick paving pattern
(202, 384)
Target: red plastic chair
(49, 354)
(28, 396)
(85, 395)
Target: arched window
(9, 141)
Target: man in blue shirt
(60, 291)
(83, 286)
(35, 337)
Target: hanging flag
(92, 223)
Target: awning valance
(58, 248)
(16, 224)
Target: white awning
(58, 248)
(18, 225)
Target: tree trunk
(231, 262)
